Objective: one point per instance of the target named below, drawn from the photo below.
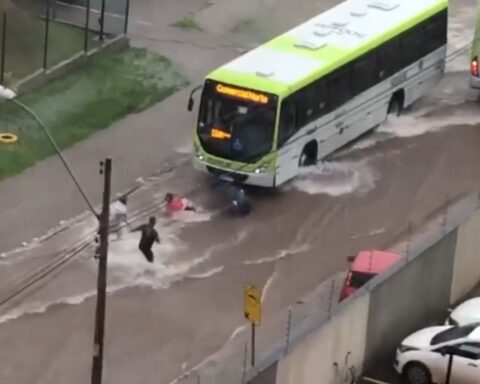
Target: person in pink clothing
(177, 203)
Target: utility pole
(449, 367)
(97, 367)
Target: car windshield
(359, 279)
(234, 128)
(453, 333)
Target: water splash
(336, 178)
(421, 123)
(283, 253)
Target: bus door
(288, 152)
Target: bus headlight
(198, 154)
(262, 168)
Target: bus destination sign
(244, 94)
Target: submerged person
(149, 236)
(177, 203)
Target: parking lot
(383, 372)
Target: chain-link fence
(39, 35)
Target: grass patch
(26, 40)
(84, 102)
(187, 23)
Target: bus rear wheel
(309, 154)
(395, 106)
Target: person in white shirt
(118, 216)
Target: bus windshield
(236, 124)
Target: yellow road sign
(253, 305)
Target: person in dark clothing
(149, 236)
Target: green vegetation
(26, 40)
(84, 102)
(187, 23)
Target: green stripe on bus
(331, 57)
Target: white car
(422, 358)
(465, 313)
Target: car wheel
(416, 373)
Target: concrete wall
(325, 355)
(466, 270)
(268, 376)
(418, 293)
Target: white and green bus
(308, 92)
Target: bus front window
(235, 129)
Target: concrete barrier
(327, 354)
(466, 270)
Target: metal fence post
(87, 24)
(330, 298)
(102, 20)
(408, 249)
(4, 44)
(47, 28)
(244, 364)
(127, 14)
(445, 216)
(289, 326)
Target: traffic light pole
(97, 367)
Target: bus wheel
(395, 106)
(309, 154)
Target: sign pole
(253, 313)
(253, 344)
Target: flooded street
(169, 317)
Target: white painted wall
(466, 271)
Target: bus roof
(324, 43)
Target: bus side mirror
(350, 259)
(190, 104)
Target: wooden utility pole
(97, 367)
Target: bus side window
(306, 103)
(440, 23)
(338, 88)
(363, 74)
(321, 98)
(388, 59)
(411, 46)
(430, 37)
(288, 125)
